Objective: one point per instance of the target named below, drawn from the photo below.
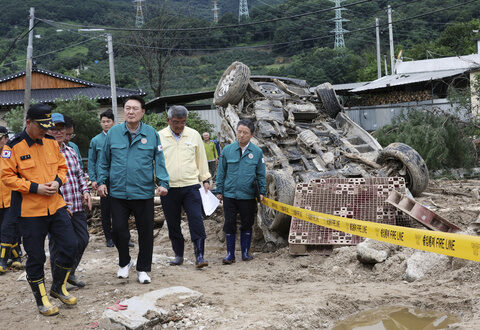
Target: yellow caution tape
(450, 244)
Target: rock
(420, 263)
(148, 304)
(22, 277)
(372, 252)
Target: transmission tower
(139, 21)
(215, 11)
(339, 30)
(243, 10)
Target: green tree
(443, 140)
(84, 114)
(159, 121)
(14, 119)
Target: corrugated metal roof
(349, 86)
(466, 63)
(404, 79)
(99, 92)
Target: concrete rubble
(150, 308)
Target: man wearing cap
(9, 231)
(74, 191)
(132, 161)
(34, 168)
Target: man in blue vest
(132, 161)
(240, 172)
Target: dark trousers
(79, 223)
(247, 208)
(189, 198)
(35, 229)
(9, 227)
(106, 216)
(212, 168)
(142, 210)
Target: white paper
(209, 201)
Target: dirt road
(275, 290)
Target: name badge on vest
(25, 157)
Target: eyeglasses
(58, 128)
(71, 135)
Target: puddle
(397, 318)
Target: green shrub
(14, 119)
(84, 114)
(444, 141)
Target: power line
(303, 40)
(51, 52)
(209, 27)
(12, 45)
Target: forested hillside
(289, 38)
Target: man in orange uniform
(34, 168)
(9, 232)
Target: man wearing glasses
(34, 168)
(132, 162)
(75, 192)
(70, 134)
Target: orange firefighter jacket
(25, 164)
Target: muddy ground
(275, 290)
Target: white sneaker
(123, 271)
(143, 278)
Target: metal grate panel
(358, 198)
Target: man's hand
(216, 161)
(206, 185)
(102, 190)
(162, 191)
(94, 185)
(48, 189)
(87, 199)
(220, 197)
(261, 197)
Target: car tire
(281, 188)
(406, 162)
(329, 99)
(232, 85)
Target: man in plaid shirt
(75, 192)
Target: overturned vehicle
(305, 135)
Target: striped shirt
(76, 184)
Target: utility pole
(386, 67)
(379, 61)
(28, 69)
(243, 10)
(339, 30)
(113, 86)
(390, 36)
(215, 11)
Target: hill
(293, 39)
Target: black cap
(3, 131)
(42, 114)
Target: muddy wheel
(402, 160)
(281, 188)
(232, 84)
(329, 98)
